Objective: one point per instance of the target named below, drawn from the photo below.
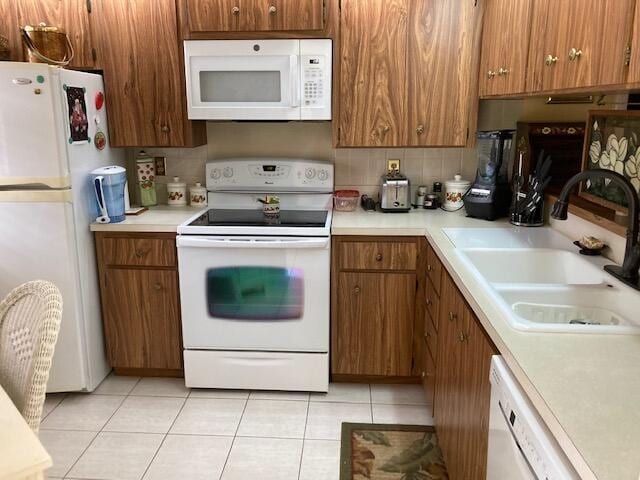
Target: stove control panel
(269, 174)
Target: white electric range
(254, 290)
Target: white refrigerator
(50, 124)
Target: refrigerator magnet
(78, 122)
(99, 100)
(100, 140)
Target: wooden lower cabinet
(462, 390)
(140, 303)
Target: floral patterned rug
(390, 452)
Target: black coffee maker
(490, 194)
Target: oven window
(240, 86)
(255, 293)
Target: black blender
(490, 194)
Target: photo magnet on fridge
(78, 122)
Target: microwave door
(245, 88)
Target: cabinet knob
(428, 301)
(386, 128)
(157, 287)
(427, 335)
(379, 257)
(356, 291)
(550, 60)
(463, 337)
(491, 74)
(503, 71)
(273, 10)
(423, 374)
(429, 268)
(420, 129)
(575, 54)
(165, 128)
(452, 316)
(235, 10)
(139, 253)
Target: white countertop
(161, 218)
(586, 387)
(21, 453)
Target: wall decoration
(78, 122)
(612, 142)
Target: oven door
(255, 293)
(243, 79)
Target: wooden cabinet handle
(157, 286)
(452, 316)
(235, 10)
(273, 10)
(356, 291)
(420, 129)
(379, 257)
(575, 54)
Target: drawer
(378, 255)
(434, 268)
(143, 252)
(433, 302)
(431, 337)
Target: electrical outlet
(393, 165)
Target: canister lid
(176, 183)
(457, 182)
(110, 170)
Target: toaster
(395, 194)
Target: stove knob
(323, 175)
(310, 173)
(227, 172)
(215, 173)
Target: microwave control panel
(314, 71)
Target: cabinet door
(475, 395)
(448, 367)
(70, 15)
(375, 323)
(10, 29)
(443, 50)
(505, 47)
(142, 318)
(214, 15)
(285, 15)
(373, 46)
(138, 49)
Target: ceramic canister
(454, 191)
(177, 193)
(198, 195)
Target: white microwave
(258, 79)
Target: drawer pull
(423, 374)
(429, 268)
(550, 60)
(157, 286)
(428, 301)
(452, 316)
(463, 337)
(139, 253)
(427, 335)
(356, 291)
(379, 257)
(273, 10)
(235, 10)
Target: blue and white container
(110, 184)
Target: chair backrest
(29, 324)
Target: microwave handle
(296, 81)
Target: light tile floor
(156, 428)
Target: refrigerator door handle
(104, 214)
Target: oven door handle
(222, 242)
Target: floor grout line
(235, 435)
(304, 434)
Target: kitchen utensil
(177, 193)
(421, 193)
(146, 174)
(395, 193)
(47, 44)
(109, 185)
(198, 195)
(454, 192)
(346, 200)
(368, 204)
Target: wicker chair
(29, 323)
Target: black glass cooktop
(255, 218)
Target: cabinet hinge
(94, 54)
(89, 6)
(340, 5)
(467, 134)
(627, 56)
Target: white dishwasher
(520, 445)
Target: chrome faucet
(628, 272)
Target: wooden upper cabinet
(254, 15)
(505, 47)
(138, 49)
(71, 16)
(373, 79)
(10, 29)
(578, 43)
(443, 52)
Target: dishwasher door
(521, 447)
